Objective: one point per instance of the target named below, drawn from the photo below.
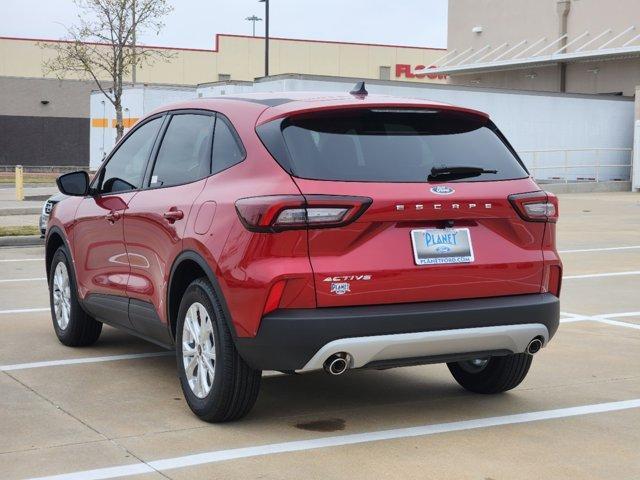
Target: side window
(125, 169)
(227, 149)
(185, 153)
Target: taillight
(275, 213)
(536, 206)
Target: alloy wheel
(198, 350)
(62, 295)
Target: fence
(556, 165)
(39, 169)
(579, 164)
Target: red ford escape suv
(297, 232)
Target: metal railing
(568, 165)
(59, 169)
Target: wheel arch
(188, 266)
(55, 240)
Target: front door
(101, 257)
(102, 261)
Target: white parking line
(603, 249)
(597, 275)
(340, 440)
(24, 310)
(76, 361)
(17, 280)
(572, 317)
(618, 323)
(620, 315)
(568, 318)
(602, 318)
(575, 250)
(566, 277)
(7, 260)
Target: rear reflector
(555, 280)
(275, 295)
(536, 206)
(276, 213)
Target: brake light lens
(276, 213)
(536, 206)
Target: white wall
(216, 90)
(530, 120)
(636, 158)
(136, 102)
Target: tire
(232, 390)
(496, 375)
(71, 323)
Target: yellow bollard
(19, 183)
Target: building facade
(45, 121)
(574, 46)
(237, 57)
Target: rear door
(155, 220)
(422, 239)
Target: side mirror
(75, 184)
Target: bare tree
(102, 45)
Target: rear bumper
(389, 335)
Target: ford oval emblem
(442, 190)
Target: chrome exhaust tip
(534, 346)
(337, 364)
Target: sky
(194, 23)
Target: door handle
(173, 214)
(112, 217)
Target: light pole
(133, 41)
(253, 19)
(266, 36)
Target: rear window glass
(395, 146)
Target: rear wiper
(457, 172)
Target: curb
(21, 241)
(4, 212)
(37, 198)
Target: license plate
(433, 246)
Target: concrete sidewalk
(35, 197)
(19, 220)
(9, 194)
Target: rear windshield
(395, 146)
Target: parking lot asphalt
(115, 410)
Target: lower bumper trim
(379, 348)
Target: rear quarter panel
(247, 264)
